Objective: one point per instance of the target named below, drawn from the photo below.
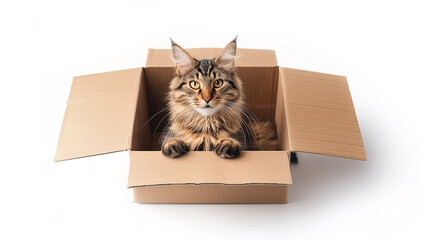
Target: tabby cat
(206, 109)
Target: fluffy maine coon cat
(206, 109)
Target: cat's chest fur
(202, 133)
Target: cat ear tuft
(227, 57)
(184, 61)
(172, 42)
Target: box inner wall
(260, 85)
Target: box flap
(320, 114)
(100, 114)
(153, 169)
(246, 57)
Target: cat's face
(205, 86)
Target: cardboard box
(107, 112)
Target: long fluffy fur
(208, 117)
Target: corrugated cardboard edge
(199, 184)
(316, 156)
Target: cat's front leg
(174, 148)
(227, 148)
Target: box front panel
(211, 193)
(205, 167)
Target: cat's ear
(226, 58)
(184, 61)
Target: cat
(206, 110)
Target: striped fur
(207, 112)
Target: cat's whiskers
(247, 127)
(243, 126)
(243, 131)
(246, 111)
(243, 108)
(152, 118)
(175, 121)
(250, 118)
(252, 130)
(154, 131)
(249, 115)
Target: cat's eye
(218, 83)
(194, 84)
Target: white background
(382, 47)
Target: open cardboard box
(107, 112)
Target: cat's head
(207, 85)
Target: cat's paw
(227, 148)
(174, 148)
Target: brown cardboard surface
(141, 137)
(320, 115)
(100, 114)
(246, 57)
(280, 116)
(260, 90)
(253, 167)
(211, 193)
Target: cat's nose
(207, 99)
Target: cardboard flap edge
(100, 114)
(320, 114)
